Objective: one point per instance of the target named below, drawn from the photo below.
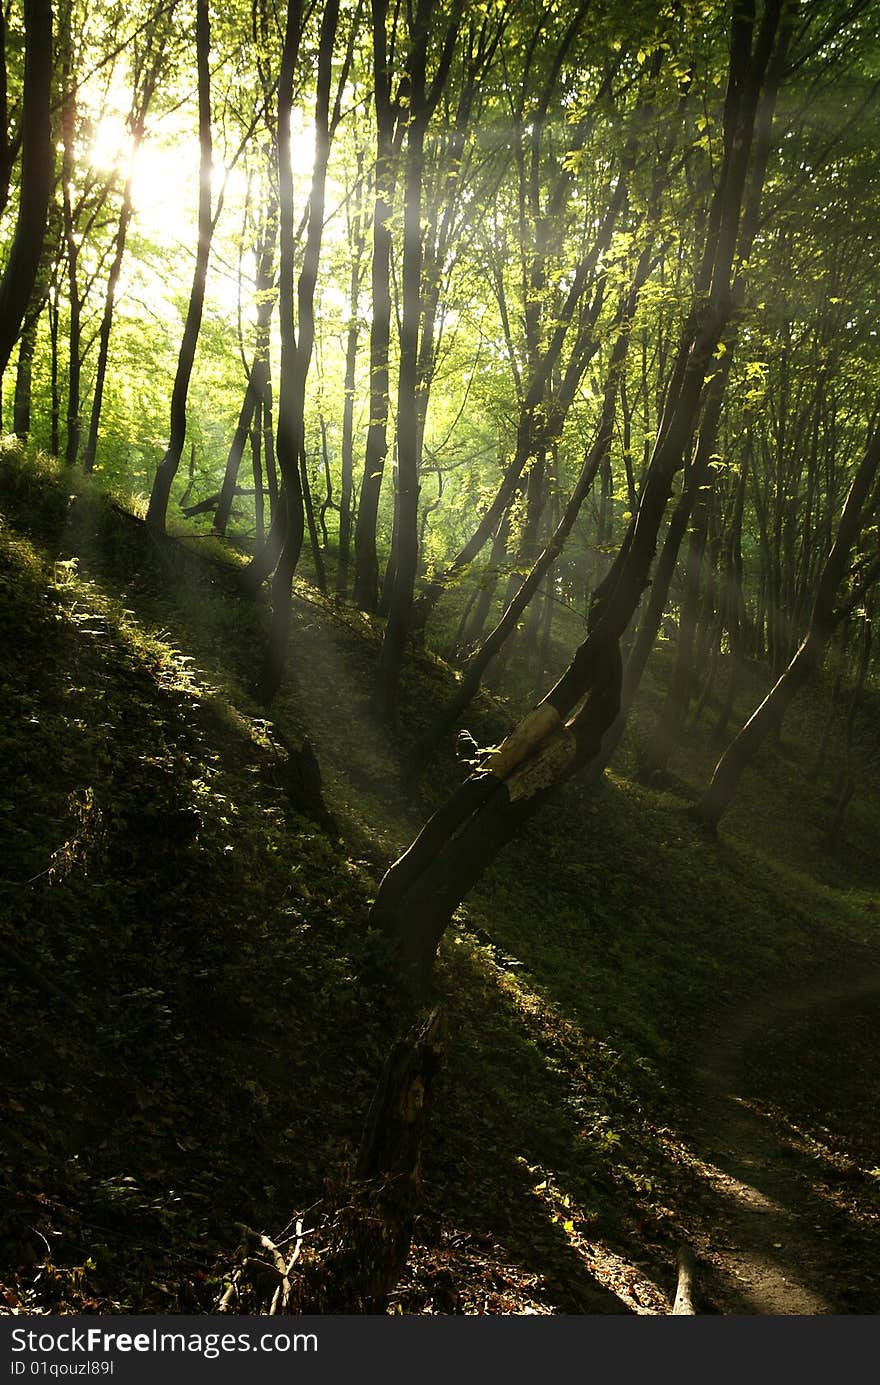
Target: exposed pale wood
(687, 1274)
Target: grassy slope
(195, 1010)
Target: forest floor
(655, 1039)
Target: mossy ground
(195, 1010)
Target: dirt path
(788, 1221)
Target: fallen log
(210, 503)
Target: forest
(439, 566)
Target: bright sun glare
(165, 197)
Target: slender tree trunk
(296, 351)
(167, 469)
(55, 402)
(415, 366)
(125, 215)
(235, 454)
(258, 376)
(314, 541)
(257, 469)
(408, 432)
(366, 573)
(21, 409)
(346, 490)
(357, 235)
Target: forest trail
(770, 1251)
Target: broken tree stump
(357, 1251)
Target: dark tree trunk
(366, 572)
(408, 431)
(257, 469)
(346, 491)
(357, 236)
(233, 459)
(678, 696)
(314, 541)
(55, 403)
(296, 350)
(167, 469)
(37, 164)
(419, 308)
(91, 448)
(474, 628)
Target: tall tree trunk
(357, 235)
(54, 387)
(415, 366)
(37, 164)
(678, 695)
(257, 469)
(296, 351)
(408, 431)
(27, 345)
(91, 448)
(366, 572)
(311, 524)
(167, 469)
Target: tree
(37, 167)
(149, 54)
(167, 469)
(296, 349)
(565, 731)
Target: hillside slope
(654, 1038)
